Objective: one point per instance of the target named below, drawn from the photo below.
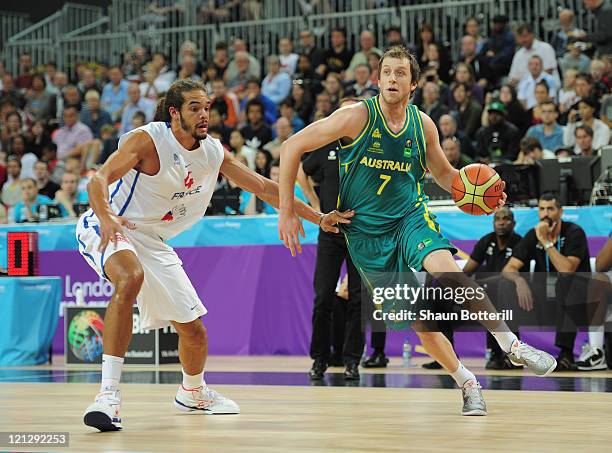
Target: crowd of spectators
(509, 97)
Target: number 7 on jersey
(386, 179)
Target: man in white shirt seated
(529, 47)
(526, 87)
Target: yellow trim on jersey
(363, 132)
(421, 153)
(384, 121)
(428, 219)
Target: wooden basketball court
(281, 411)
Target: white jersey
(177, 196)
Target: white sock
(504, 337)
(462, 375)
(192, 382)
(111, 372)
(596, 337)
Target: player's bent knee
(129, 283)
(193, 332)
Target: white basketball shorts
(166, 294)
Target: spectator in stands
(17, 147)
(567, 95)
(602, 33)
(26, 71)
(549, 133)
(239, 147)
(500, 139)
(287, 110)
(88, 82)
(309, 49)
(606, 111)
(472, 29)
(468, 111)
(13, 125)
(253, 91)
(58, 82)
(288, 59)
(50, 71)
(361, 86)
(283, 132)
(157, 77)
(109, 142)
(135, 103)
(11, 190)
(373, 63)
(531, 151)
(302, 102)
(430, 74)
(452, 150)
(305, 76)
(323, 107)
(215, 120)
(586, 114)
(514, 109)
(472, 66)
(602, 77)
(556, 246)
(40, 104)
(584, 88)
(27, 210)
(338, 57)
(437, 55)
(68, 195)
(583, 136)
(220, 59)
(37, 138)
(115, 93)
(432, 105)
(531, 46)
(333, 87)
(237, 79)
(448, 129)
(223, 103)
(565, 32)
(254, 66)
(262, 163)
(499, 49)
(256, 132)
(138, 120)
(526, 87)
(10, 93)
(367, 44)
(276, 86)
(541, 94)
(93, 116)
(188, 69)
(45, 186)
(71, 134)
(575, 58)
(462, 73)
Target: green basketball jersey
(381, 172)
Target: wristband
(548, 245)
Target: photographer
(559, 249)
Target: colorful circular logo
(85, 335)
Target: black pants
(331, 253)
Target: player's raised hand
(330, 220)
(289, 230)
(110, 228)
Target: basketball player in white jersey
(157, 184)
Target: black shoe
(335, 360)
(352, 372)
(565, 362)
(432, 366)
(317, 371)
(376, 360)
(495, 362)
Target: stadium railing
(12, 23)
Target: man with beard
(155, 186)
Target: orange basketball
(477, 189)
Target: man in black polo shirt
(491, 253)
(556, 247)
(331, 252)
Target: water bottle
(407, 354)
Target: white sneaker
(204, 399)
(592, 359)
(103, 414)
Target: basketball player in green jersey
(387, 146)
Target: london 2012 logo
(85, 335)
